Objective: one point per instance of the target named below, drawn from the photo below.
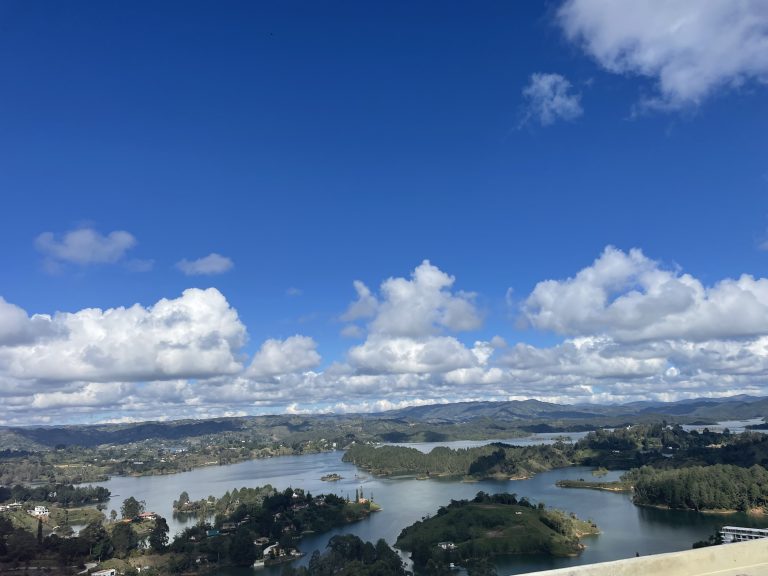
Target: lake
(626, 529)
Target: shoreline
(713, 511)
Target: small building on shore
(732, 534)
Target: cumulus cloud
(195, 336)
(549, 97)
(630, 297)
(690, 49)
(206, 266)
(408, 325)
(85, 246)
(16, 327)
(364, 307)
(630, 328)
(276, 357)
(423, 305)
(382, 354)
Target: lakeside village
(247, 527)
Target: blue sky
(310, 145)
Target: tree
(158, 537)
(124, 539)
(113, 515)
(131, 507)
(21, 545)
(39, 531)
(183, 499)
(242, 551)
(99, 542)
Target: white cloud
(196, 335)
(352, 331)
(423, 305)
(381, 354)
(85, 246)
(364, 307)
(691, 49)
(91, 394)
(16, 327)
(206, 266)
(632, 298)
(409, 319)
(278, 357)
(630, 329)
(549, 98)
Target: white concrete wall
(742, 559)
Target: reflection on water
(626, 529)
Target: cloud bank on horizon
(631, 329)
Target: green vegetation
(718, 487)
(66, 495)
(279, 518)
(715, 539)
(276, 520)
(77, 454)
(348, 555)
(683, 470)
(131, 507)
(488, 526)
(492, 460)
(223, 505)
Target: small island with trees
(470, 532)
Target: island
(496, 460)
(468, 532)
(331, 477)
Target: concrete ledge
(742, 559)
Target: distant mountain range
(730, 408)
(525, 414)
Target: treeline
(481, 461)
(718, 487)
(64, 494)
(659, 436)
(348, 555)
(226, 504)
(94, 542)
(664, 446)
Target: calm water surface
(626, 529)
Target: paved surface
(742, 559)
